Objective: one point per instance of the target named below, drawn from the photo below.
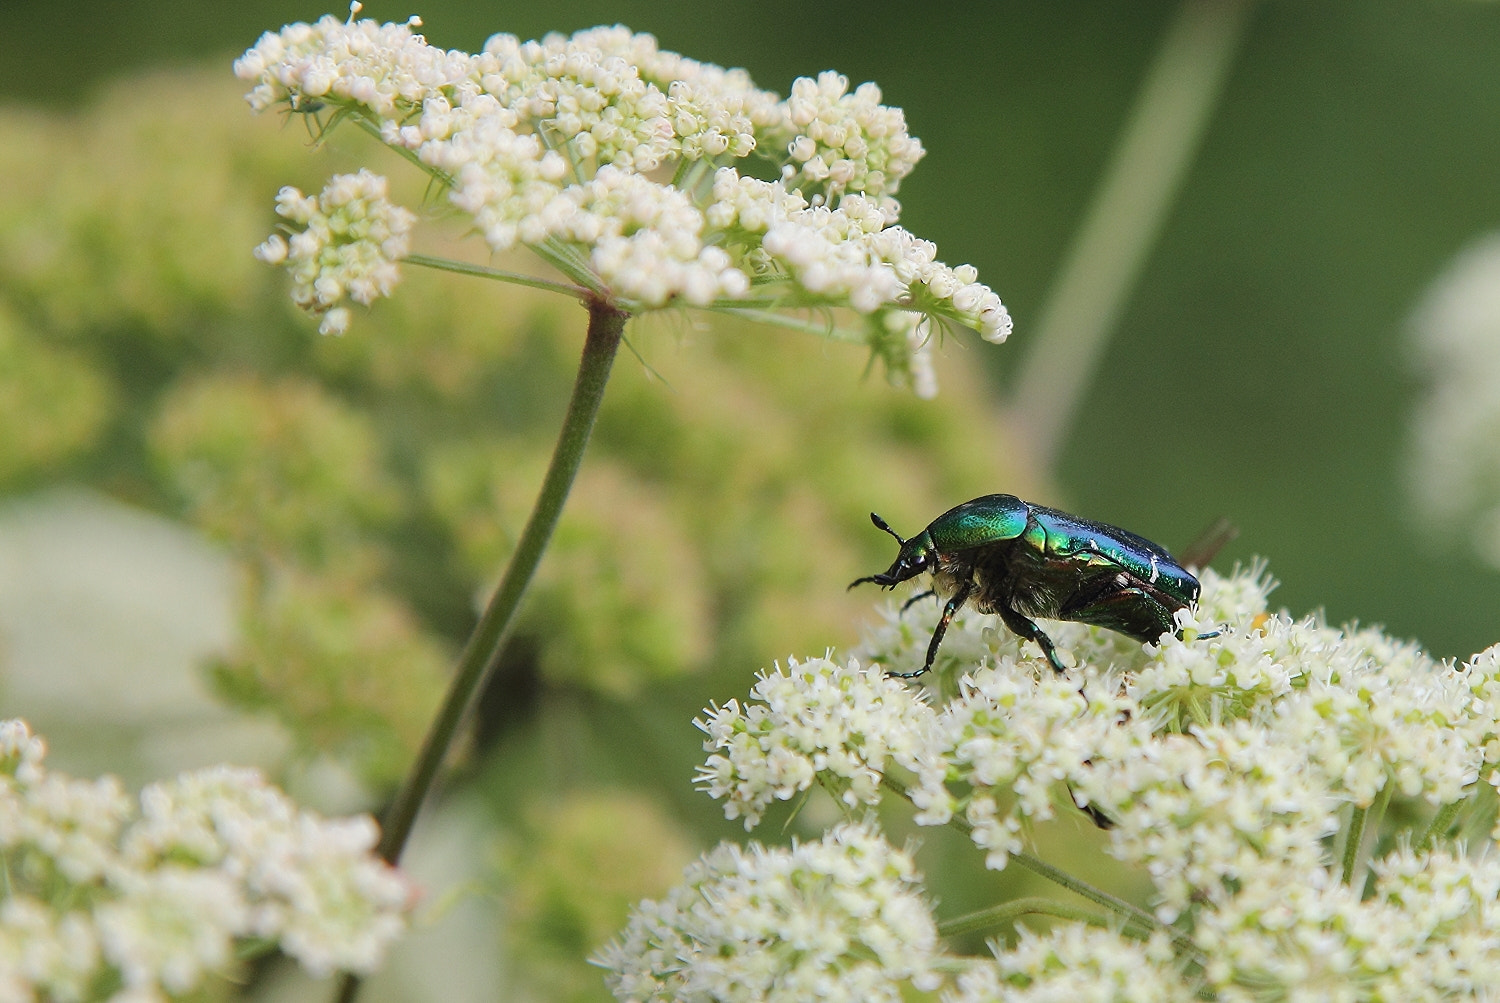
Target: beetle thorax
(949, 574)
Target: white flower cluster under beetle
(1313, 807)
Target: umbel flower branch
(638, 180)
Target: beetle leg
(1031, 632)
(1098, 817)
(1125, 604)
(959, 598)
(916, 599)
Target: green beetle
(1020, 561)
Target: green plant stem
(485, 272)
(1009, 912)
(1440, 823)
(1352, 839)
(1129, 208)
(606, 326)
(1128, 910)
(1098, 896)
(1359, 820)
(483, 648)
(825, 329)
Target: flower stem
(482, 651)
(823, 329)
(484, 271)
(1358, 821)
(1352, 839)
(606, 324)
(1009, 912)
(1440, 823)
(1128, 910)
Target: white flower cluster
(714, 111)
(838, 919)
(846, 142)
(851, 253)
(1425, 931)
(1226, 769)
(349, 241)
(154, 901)
(558, 145)
(843, 722)
(384, 67)
(1074, 962)
(646, 240)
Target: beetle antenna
(882, 524)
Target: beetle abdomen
(1097, 544)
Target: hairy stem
(1440, 823)
(606, 326)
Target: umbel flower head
(351, 238)
(837, 919)
(646, 178)
(1314, 807)
(103, 893)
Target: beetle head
(915, 558)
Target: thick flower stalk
(1313, 806)
(104, 894)
(647, 179)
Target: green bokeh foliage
(372, 486)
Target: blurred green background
(1259, 372)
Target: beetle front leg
(953, 606)
(916, 599)
(1031, 632)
